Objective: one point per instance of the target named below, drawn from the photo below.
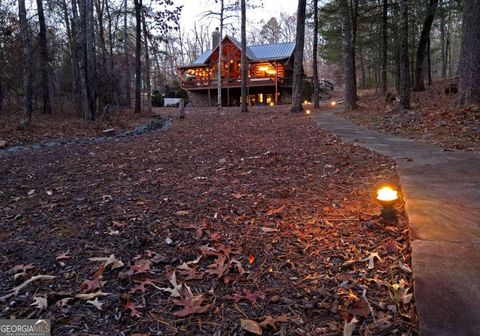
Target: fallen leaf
(183, 212)
(251, 326)
(251, 259)
(97, 304)
(268, 230)
(172, 278)
(90, 285)
(349, 327)
(371, 259)
(63, 302)
(141, 286)
(189, 273)
(276, 211)
(404, 267)
(360, 308)
(114, 262)
(90, 296)
(63, 256)
(192, 304)
(40, 302)
(21, 270)
(16, 290)
(133, 307)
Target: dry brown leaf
(14, 291)
(40, 302)
(349, 327)
(251, 326)
(183, 212)
(97, 304)
(90, 296)
(268, 230)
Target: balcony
(234, 83)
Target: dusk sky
(192, 11)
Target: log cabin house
(270, 72)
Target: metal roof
(203, 57)
(259, 52)
(274, 51)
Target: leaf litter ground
(225, 224)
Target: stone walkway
(442, 196)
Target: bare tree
(127, 58)
(138, 53)
(44, 64)
(298, 62)
(244, 57)
(468, 68)
(404, 82)
(384, 46)
(423, 45)
(220, 56)
(147, 66)
(348, 57)
(26, 65)
(316, 88)
(271, 31)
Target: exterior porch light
(387, 195)
(333, 103)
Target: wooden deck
(235, 83)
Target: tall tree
(348, 57)
(220, 56)
(442, 39)
(271, 31)
(244, 57)
(404, 87)
(423, 45)
(26, 65)
(127, 58)
(384, 46)
(90, 59)
(298, 62)
(138, 53)
(44, 60)
(469, 65)
(147, 66)
(316, 87)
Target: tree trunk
(298, 62)
(127, 59)
(78, 59)
(219, 72)
(91, 61)
(111, 38)
(384, 47)
(44, 61)
(348, 57)
(316, 86)
(397, 46)
(404, 89)
(468, 67)
(147, 67)
(138, 52)
(429, 62)
(442, 40)
(423, 44)
(26, 66)
(244, 57)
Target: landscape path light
(333, 103)
(387, 194)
